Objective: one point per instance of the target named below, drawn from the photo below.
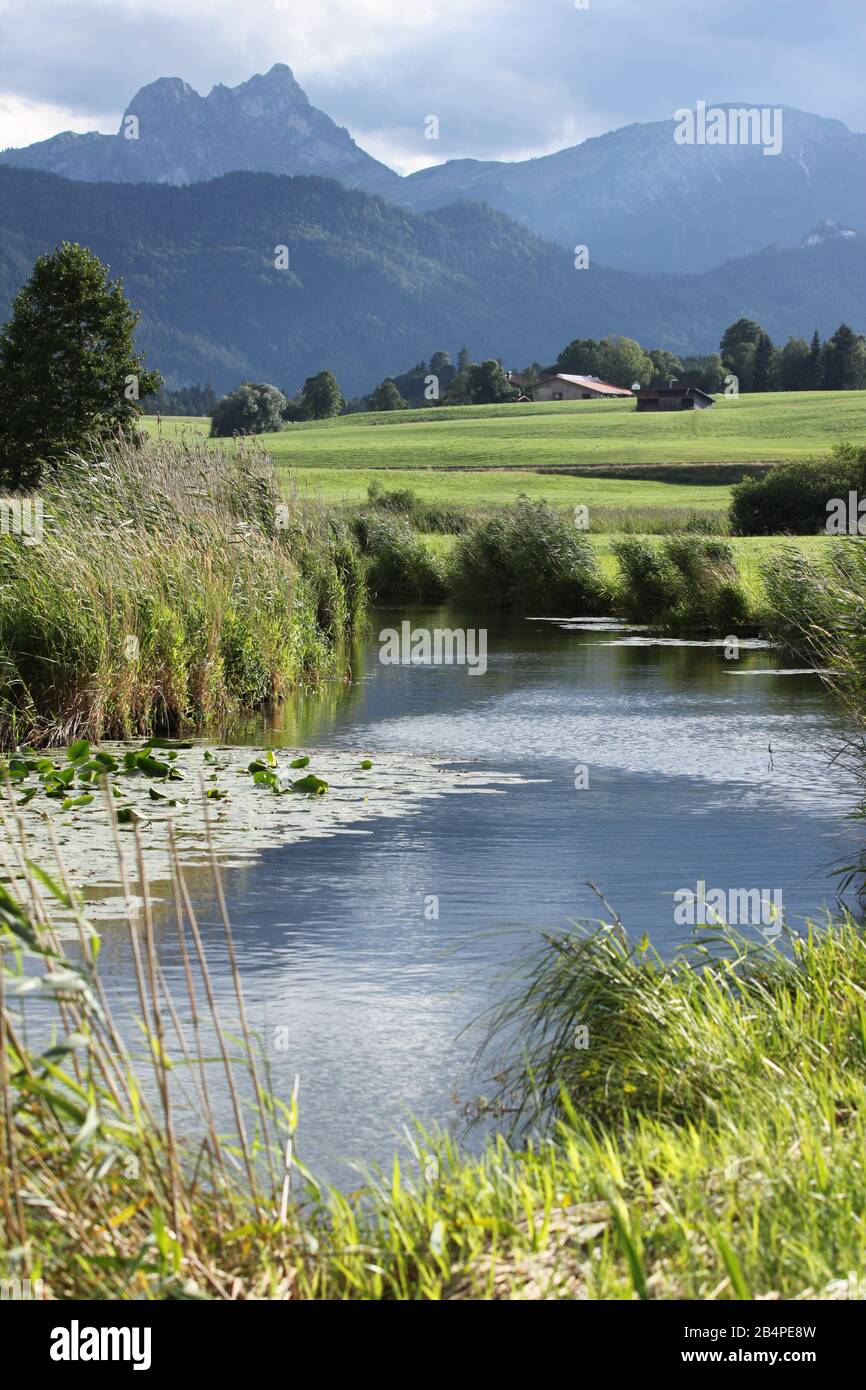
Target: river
(643, 768)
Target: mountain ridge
(169, 133)
(634, 197)
(372, 287)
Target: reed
(173, 586)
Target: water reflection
(334, 946)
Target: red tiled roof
(591, 383)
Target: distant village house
(563, 387)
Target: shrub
(255, 408)
(792, 497)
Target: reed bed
(172, 587)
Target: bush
(255, 408)
(792, 497)
(528, 556)
(438, 517)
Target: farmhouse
(673, 398)
(562, 387)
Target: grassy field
(489, 489)
(569, 434)
(480, 457)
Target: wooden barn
(563, 387)
(673, 398)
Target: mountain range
(371, 288)
(637, 199)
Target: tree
(845, 360)
(458, 391)
(255, 408)
(793, 365)
(487, 383)
(69, 372)
(815, 365)
(622, 362)
(321, 396)
(666, 366)
(464, 361)
(581, 357)
(765, 355)
(387, 397)
(707, 373)
(743, 331)
(443, 369)
(740, 362)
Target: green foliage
(440, 517)
(844, 361)
(623, 362)
(387, 397)
(666, 367)
(69, 372)
(792, 497)
(399, 562)
(168, 592)
(687, 583)
(255, 408)
(186, 400)
(685, 1128)
(620, 361)
(321, 397)
(528, 557)
(487, 384)
(816, 608)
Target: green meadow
(571, 434)
(484, 457)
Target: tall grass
(447, 518)
(173, 586)
(684, 583)
(528, 556)
(398, 562)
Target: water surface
(689, 767)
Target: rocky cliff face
(171, 134)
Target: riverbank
(169, 589)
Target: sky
(507, 79)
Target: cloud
(507, 78)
